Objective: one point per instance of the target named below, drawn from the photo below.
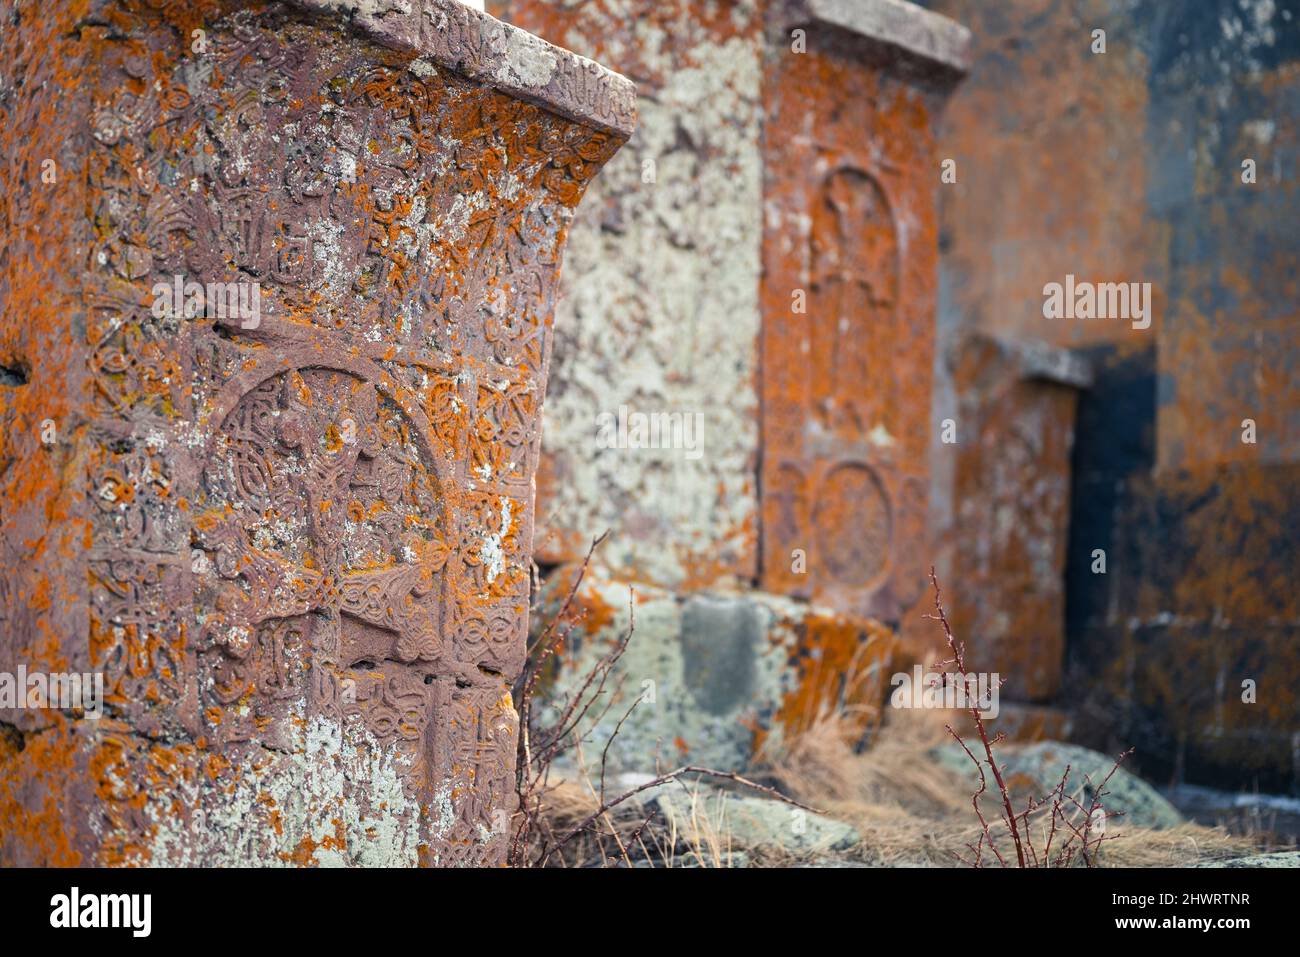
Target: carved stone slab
(850, 251)
(315, 248)
(1012, 480)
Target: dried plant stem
(1062, 807)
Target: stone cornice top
(1029, 359)
(478, 46)
(921, 33)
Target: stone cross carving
(849, 272)
(303, 362)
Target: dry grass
(906, 806)
(909, 810)
(563, 806)
(696, 835)
(912, 811)
(700, 830)
(823, 764)
(1174, 847)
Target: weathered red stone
(850, 258)
(294, 536)
(1015, 430)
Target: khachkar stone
(277, 288)
(850, 262)
(1011, 485)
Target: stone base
(719, 676)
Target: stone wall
(660, 312)
(1127, 165)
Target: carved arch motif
(322, 541)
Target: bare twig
(959, 658)
(1063, 809)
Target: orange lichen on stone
(841, 666)
(36, 770)
(239, 519)
(848, 332)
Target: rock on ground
(1038, 768)
(758, 824)
(1284, 859)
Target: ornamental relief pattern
(321, 510)
(827, 490)
(846, 376)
